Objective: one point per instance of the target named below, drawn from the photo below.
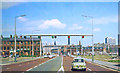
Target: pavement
(51, 65)
(106, 64)
(11, 60)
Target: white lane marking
(89, 69)
(35, 66)
(29, 69)
(40, 64)
(62, 68)
(8, 68)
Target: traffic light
(52, 36)
(55, 36)
(82, 36)
(38, 36)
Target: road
(67, 61)
(52, 65)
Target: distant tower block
(79, 42)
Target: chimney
(10, 36)
(25, 37)
(21, 37)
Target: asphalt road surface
(51, 65)
(67, 61)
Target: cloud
(22, 19)
(76, 27)
(54, 23)
(96, 29)
(104, 20)
(6, 5)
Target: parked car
(45, 56)
(50, 56)
(79, 64)
(4, 56)
(11, 56)
(17, 56)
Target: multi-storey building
(110, 41)
(23, 46)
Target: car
(64, 55)
(79, 64)
(4, 56)
(17, 56)
(45, 56)
(50, 56)
(11, 56)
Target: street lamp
(16, 35)
(40, 43)
(92, 37)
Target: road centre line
(62, 68)
(89, 69)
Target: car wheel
(85, 69)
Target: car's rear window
(79, 60)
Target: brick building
(23, 46)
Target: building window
(18, 43)
(11, 42)
(21, 42)
(4, 42)
(34, 48)
(28, 42)
(38, 48)
(7, 48)
(34, 42)
(25, 43)
(7, 42)
(4, 48)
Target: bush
(25, 56)
(114, 61)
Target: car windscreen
(79, 60)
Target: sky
(62, 18)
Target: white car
(79, 64)
(50, 56)
(45, 56)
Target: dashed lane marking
(89, 69)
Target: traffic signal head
(55, 36)
(82, 36)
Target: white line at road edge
(40, 64)
(62, 68)
(89, 69)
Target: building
(23, 46)
(110, 41)
(119, 43)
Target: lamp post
(92, 37)
(16, 35)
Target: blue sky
(62, 18)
